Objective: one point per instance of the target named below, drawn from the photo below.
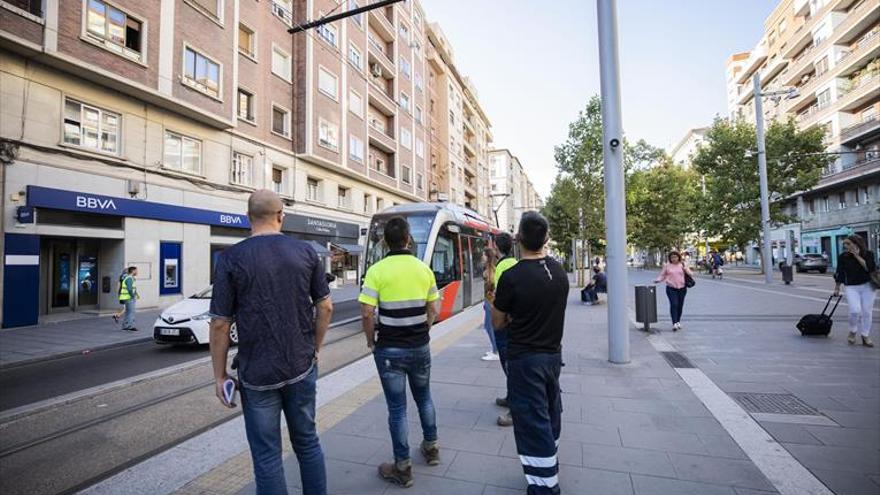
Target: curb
(66, 354)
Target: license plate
(173, 332)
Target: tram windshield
(419, 229)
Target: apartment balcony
(860, 91)
(800, 66)
(774, 66)
(379, 136)
(379, 21)
(758, 56)
(857, 21)
(378, 54)
(381, 99)
(803, 35)
(863, 50)
(809, 117)
(470, 149)
(857, 132)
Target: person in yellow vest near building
(504, 243)
(128, 295)
(404, 290)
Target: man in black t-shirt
(530, 300)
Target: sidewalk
(82, 333)
(627, 429)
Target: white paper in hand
(229, 391)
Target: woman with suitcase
(854, 268)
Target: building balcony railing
(855, 19)
(859, 91)
(379, 55)
(380, 138)
(380, 22)
(859, 129)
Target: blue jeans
(128, 318)
(676, 302)
(395, 365)
(262, 418)
(487, 325)
(536, 406)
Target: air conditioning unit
(375, 70)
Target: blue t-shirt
(268, 285)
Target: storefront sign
(320, 226)
(44, 197)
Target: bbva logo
(231, 219)
(95, 203)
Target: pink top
(673, 275)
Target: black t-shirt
(851, 272)
(534, 293)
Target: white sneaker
(490, 356)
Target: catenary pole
(615, 206)
(766, 254)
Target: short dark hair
(504, 242)
(396, 232)
(597, 269)
(131, 269)
(533, 230)
(674, 253)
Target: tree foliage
(662, 204)
(731, 208)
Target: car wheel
(233, 334)
(823, 270)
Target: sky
(535, 64)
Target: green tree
(731, 208)
(561, 210)
(662, 203)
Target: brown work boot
(431, 451)
(399, 473)
(505, 420)
(866, 341)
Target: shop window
(201, 73)
(182, 153)
(91, 127)
(445, 259)
(114, 29)
(242, 169)
(171, 267)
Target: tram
(448, 238)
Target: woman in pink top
(673, 274)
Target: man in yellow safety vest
(128, 294)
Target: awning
(319, 248)
(349, 248)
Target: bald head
(264, 206)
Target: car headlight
(201, 317)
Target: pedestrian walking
(128, 296)
(118, 314)
(674, 274)
(854, 267)
(403, 288)
(490, 257)
(268, 284)
(530, 301)
(504, 243)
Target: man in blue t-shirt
(267, 285)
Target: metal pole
(615, 206)
(766, 254)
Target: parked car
(187, 321)
(810, 261)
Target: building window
(420, 181)
(327, 83)
(420, 84)
(380, 204)
(344, 198)
(242, 170)
(404, 102)
(245, 105)
(327, 32)
(355, 103)
(247, 41)
(313, 189)
(405, 174)
(452, 117)
(328, 135)
(404, 32)
(182, 153)
(368, 204)
(91, 127)
(280, 121)
(280, 63)
(278, 180)
(866, 195)
(418, 115)
(405, 138)
(821, 66)
(420, 148)
(824, 205)
(115, 29)
(417, 20)
(405, 68)
(355, 57)
(283, 10)
(841, 200)
(356, 148)
(359, 18)
(823, 99)
(201, 73)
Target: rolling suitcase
(818, 324)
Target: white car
(187, 322)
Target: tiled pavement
(631, 429)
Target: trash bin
(646, 305)
(787, 274)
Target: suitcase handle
(835, 305)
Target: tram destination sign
(320, 226)
(58, 199)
